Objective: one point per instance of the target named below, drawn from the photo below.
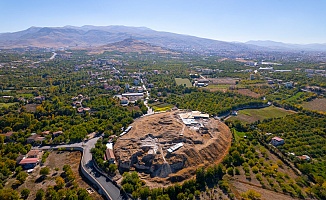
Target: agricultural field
(6, 105)
(55, 162)
(248, 92)
(158, 106)
(303, 135)
(26, 95)
(250, 166)
(316, 104)
(215, 88)
(224, 81)
(253, 115)
(183, 81)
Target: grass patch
(218, 86)
(26, 95)
(183, 81)
(238, 134)
(252, 115)
(158, 107)
(6, 105)
(296, 97)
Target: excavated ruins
(163, 149)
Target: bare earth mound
(166, 150)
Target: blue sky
(291, 21)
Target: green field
(158, 107)
(225, 86)
(252, 115)
(296, 97)
(238, 135)
(183, 81)
(6, 105)
(218, 86)
(26, 95)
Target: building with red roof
(276, 141)
(29, 163)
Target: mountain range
(99, 36)
(284, 46)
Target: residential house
(39, 99)
(46, 133)
(304, 157)
(35, 138)
(57, 133)
(80, 109)
(8, 136)
(109, 155)
(276, 141)
(29, 163)
(87, 109)
(288, 84)
(33, 154)
(124, 101)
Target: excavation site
(168, 147)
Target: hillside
(90, 36)
(130, 45)
(286, 46)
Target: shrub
(24, 193)
(21, 177)
(237, 171)
(259, 177)
(40, 194)
(255, 169)
(44, 171)
(251, 194)
(230, 171)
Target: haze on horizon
(291, 21)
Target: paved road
(149, 109)
(87, 162)
(53, 56)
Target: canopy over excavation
(170, 146)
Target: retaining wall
(101, 190)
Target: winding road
(107, 187)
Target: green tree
(112, 168)
(44, 171)
(218, 171)
(230, 171)
(8, 194)
(25, 193)
(83, 194)
(21, 177)
(200, 177)
(40, 194)
(60, 182)
(251, 195)
(144, 193)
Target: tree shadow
(40, 179)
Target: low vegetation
(316, 104)
(215, 103)
(253, 115)
(183, 82)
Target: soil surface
(242, 187)
(203, 144)
(56, 159)
(248, 92)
